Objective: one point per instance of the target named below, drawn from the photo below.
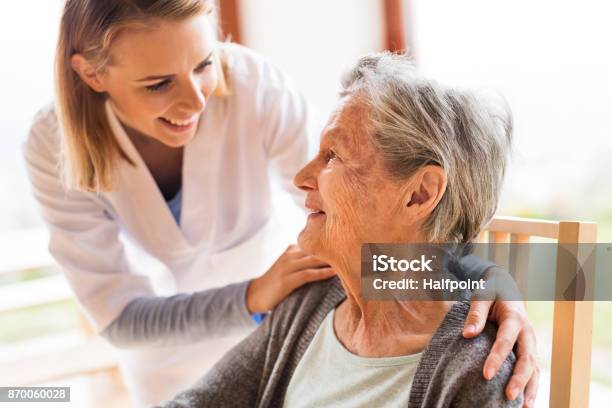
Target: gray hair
(416, 122)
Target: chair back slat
(572, 321)
(519, 260)
(500, 254)
(572, 333)
(525, 226)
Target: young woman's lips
(178, 128)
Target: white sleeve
(83, 237)
(291, 132)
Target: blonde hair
(89, 149)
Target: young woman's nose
(192, 98)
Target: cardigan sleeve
(256, 372)
(185, 318)
(473, 390)
(450, 370)
(473, 267)
(234, 381)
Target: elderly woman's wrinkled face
(351, 196)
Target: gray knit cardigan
(256, 373)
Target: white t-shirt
(328, 375)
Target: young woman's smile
(179, 126)
(159, 78)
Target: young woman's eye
(160, 86)
(202, 67)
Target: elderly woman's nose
(306, 178)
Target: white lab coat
(226, 234)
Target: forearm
(181, 319)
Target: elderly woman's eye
(330, 156)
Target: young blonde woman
(165, 136)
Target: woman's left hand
(514, 328)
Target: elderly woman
(404, 160)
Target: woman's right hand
(291, 270)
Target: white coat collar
(141, 205)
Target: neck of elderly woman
(383, 328)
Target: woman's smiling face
(351, 196)
(160, 77)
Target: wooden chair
(572, 321)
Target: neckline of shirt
(365, 361)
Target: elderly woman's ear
(424, 191)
